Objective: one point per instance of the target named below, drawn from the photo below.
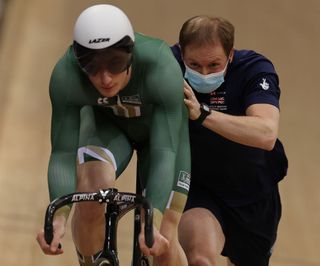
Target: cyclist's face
(109, 70)
(109, 84)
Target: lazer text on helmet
(99, 40)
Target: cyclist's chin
(109, 91)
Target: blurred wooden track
(35, 33)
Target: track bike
(117, 205)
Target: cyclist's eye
(116, 66)
(91, 70)
(117, 63)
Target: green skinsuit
(148, 115)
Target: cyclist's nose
(105, 77)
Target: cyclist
(115, 91)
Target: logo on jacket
(133, 99)
(103, 101)
(124, 106)
(218, 101)
(184, 180)
(264, 85)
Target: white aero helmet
(102, 26)
(103, 39)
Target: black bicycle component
(118, 204)
(103, 262)
(138, 258)
(144, 261)
(136, 255)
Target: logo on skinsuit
(184, 180)
(133, 99)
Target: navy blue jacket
(236, 173)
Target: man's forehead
(204, 54)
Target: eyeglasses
(112, 60)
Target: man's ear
(231, 54)
(181, 51)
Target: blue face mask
(204, 83)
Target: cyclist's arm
(170, 116)
(64, 138)
(64, 141)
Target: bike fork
(110, 250)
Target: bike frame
(118, 204)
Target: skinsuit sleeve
(64, 132)
(169, 136)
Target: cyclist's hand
(161, 244)
(59, 228)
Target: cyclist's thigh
(100, 139)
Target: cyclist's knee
(89, 213)
(94, 175)
(89, 209)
